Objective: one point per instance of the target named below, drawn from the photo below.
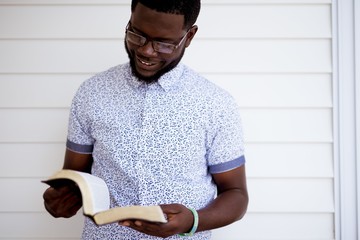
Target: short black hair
(189, 8)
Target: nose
(147, 49)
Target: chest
(148, 120)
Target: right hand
(62, 201)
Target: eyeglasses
(160, 47)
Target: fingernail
(126, 224)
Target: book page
(147, 213)
(97, 192)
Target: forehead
(157, 24)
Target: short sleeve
(79, 137)
(225, 150)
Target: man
(158, 134)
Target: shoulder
(207, 90)
(106, 77)
(103, 81)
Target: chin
(154, 77)
(150, 78)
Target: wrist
(195, 224)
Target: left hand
(180, 220)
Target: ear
(191, 35)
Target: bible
(96, 200)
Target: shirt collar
(167, 81)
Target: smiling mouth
(148, 64)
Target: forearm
(227, 208)
(77, 161)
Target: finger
(54, 193)
(71, 197)
(73, 210)
(172, 208)
(50, 193)
(125, 223)
(138, 223)
(50, 210)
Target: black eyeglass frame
(158, 46)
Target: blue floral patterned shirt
(155, 143)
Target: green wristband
(195, 226)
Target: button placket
(142, 146)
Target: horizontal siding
(297, 195)
(266, 21)
(306, 56)
(252, 21)
(49, 22)
(84, 56)
(262, 125)
(42, 159)
(33, 125)
(250, 90)
(288, 125)
(290, 160)
(277, 90)
(39, 225)
(126, 2)
(273, 56)
(278, 226)
(38, 90)
(295, 160)
(264, 193)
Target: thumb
(172, 208)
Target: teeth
(146, 63)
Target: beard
(158, 74)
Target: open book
(96, 200)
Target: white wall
(274, 56)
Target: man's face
(147, 63)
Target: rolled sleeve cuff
(79, 148)
(227, 166)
